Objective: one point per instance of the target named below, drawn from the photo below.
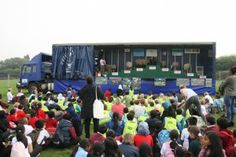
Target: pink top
(119, 108)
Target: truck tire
(32, 87)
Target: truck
(146, 67)
(36, 74)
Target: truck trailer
(146, 67)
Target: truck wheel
(32, 87)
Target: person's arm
(100, 94)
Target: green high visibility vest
(170, 123)
(130, 127)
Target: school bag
(34, 137)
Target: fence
(5, 76)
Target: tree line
(12, 66)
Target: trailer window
(33, 68)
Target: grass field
(50, 152)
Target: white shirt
(28, 129)
(102, 62)
(139, 110)
(9, 96)
(184, 137)
(209, 98)
(19, 94)
(188, 93)
(14, 140)
(43, 133)
(203, 109)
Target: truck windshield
(26, 69)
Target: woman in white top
(26, 140)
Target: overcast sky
(30, 26)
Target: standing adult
(102, 65)
(229, 87)
(87, 95)
(191, 97)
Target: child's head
(130, 116)
(126, 110)
(111, 99)
(32, 113)
(154, 114)
(193, 132)
(131, 103)
(136, 102)
(179, 111)
(111, 133)
(210, 120)
(151, 104)
(20, 107)
(98, 149)
(85, 144)
(115, 116)
(143, 103)
(102, 129)
(174, 135)
(51, 114)
(192, 121)
(128, 139)
(222, 123)
(13, 111)
(39, 124)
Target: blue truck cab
(37, 73)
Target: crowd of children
(134, 125)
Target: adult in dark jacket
(75, 119)
(87, 95)
(63, 127)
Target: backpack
(58, 137)
(34, 136)
(163, 136)
(18, 150)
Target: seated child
(116, 124)
(32, 118)
(20, 114)
(98, 136)
(130, 125)
(180, 120)
(51, 123)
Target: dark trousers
(87, 126)
(195, 101)
(78, 126)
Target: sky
(32, 26)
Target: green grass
(5, 84)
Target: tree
(225, 62)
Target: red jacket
(32, 121)
(96, 137)
(41, 115)
(51, 123)
(20, 114)
(139, 139)
(227, 139)
(12, 118)
(213, 128)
